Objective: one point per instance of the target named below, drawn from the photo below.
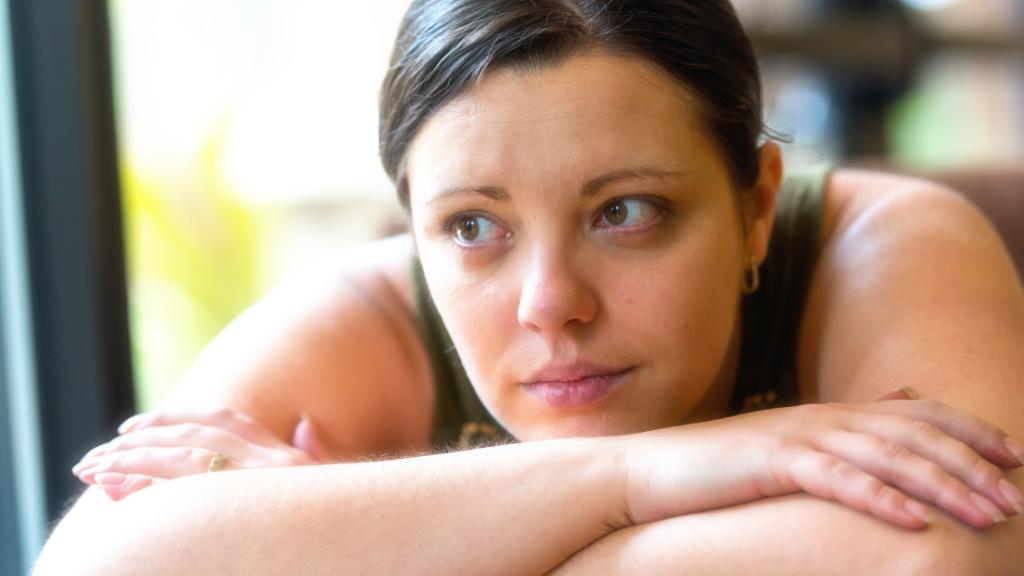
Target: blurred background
(183, 156)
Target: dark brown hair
(444, 47)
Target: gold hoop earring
(750, 286)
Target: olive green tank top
(770, 322)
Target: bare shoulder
(860, 196)
(913, 287)
(339, 342)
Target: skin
(340, 344)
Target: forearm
(519, 509)
(801, 535)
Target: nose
(555, 294)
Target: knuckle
(841, 471)
(182, 454)
(886, 497)
(925, 429)
(949, 485)
(891, 450)
(984, 472)
(993, 431)
(222, 414)
(191, 430)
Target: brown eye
(630, 213)
(616, 213)
(469, 229)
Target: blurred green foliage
(192, 263)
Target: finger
(905, 393)
(188, 435)
(984, 438)
(949, 454)
(230, 420)
(306, 439)
(826, 476)
(894, 464)
(156, 462)
(119, 486)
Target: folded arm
(433, 514)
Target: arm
(517, 509)
(914, 288)
(796, 535)
(436, 514)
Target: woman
(606, 265)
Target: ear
(760, 202)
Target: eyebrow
(496, 193)
(588, 190)
(594, 185)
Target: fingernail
(1016, 449)
(988, 508)
(1012, 495)
(920, 511)
(85, 464)
(304, 417)
(97, 451)
(128, 424)
(910, 392)
(110, 479)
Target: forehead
(559, 122)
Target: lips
(575, 385)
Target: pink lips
(575, 385)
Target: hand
(164, 444)
(883, 458)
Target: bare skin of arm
(339, 344)
(915, 289)
(274, 364)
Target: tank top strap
(771, 316)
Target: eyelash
(450, 224)
(661, 205)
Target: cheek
(479, 310)
(680, 311)
(684, 307)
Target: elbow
(77, 553)
(96, 538)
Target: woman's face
(582, 243)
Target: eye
(627, 213)
(477, 229)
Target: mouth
(576, 385)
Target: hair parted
(444, 47)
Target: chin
(575, 426)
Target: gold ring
(217, 463)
